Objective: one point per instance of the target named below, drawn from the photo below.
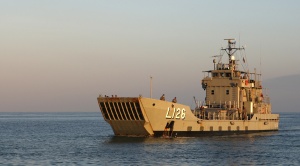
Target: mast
(230, 50)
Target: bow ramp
(125, 115)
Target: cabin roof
(210, 71)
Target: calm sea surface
(86, 139)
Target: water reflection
(120, 139)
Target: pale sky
(59, 55)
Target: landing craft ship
(234, 103)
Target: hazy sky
(60, 55)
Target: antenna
(150, 86)
(239, 40)
(260, 63)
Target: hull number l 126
(177, 113)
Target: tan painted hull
(150, 117)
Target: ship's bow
(125, 115)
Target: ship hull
(142, 117)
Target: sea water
(86, 139)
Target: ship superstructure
(238, 93)
(234, 103)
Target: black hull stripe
(205, 133)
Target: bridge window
(227, 92)
(212, 92)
